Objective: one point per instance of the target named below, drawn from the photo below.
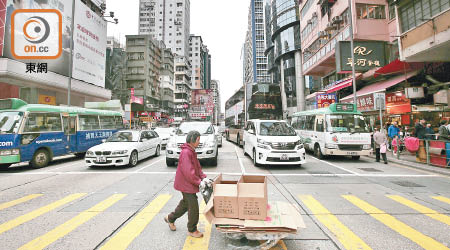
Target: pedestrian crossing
(348, 235)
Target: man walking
(443, 131)
(188, 178)
(380, 141)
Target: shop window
(43, 122)
(89, 122)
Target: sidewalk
(407, 159)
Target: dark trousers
(188, 204)
(377, 154)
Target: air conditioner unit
(309, 22)
(337, 19)
(322, 34)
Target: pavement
(346, 204)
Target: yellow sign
(146, 119)
(46, 99)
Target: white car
(125, 147)
(218, 136)
(273, 142)
(164, 134)
(206, 151)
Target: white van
(273, 142)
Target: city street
(345, 204)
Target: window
(370, 11)
(417, 12)
(309, 123)
(89, 122)
(107, 122)
(306, 7)
(43, 122)
(320, 124)
(391, 11)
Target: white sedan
(124, 148)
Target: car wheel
(318, 152)
(213, 161)
(170, 162)
(133, 159)
(158, 151)
(254, 158)
(4, 166)
(356, 157)
(40, 159)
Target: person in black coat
(420, 129)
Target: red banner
(397, 103)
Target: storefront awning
(396, 67)
(344, 84)
(383, 85)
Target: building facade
(197, 59)
(284, 53)
(255, 62)
(168, 21)
(167, 85)
(144, 58)
(182, 88)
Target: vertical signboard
(202, 103)
(89, 46)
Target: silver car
(218, 136)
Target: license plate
(101, 159)
(284, 157)
(352, 153)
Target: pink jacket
(189, 172)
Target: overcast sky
(222, 25)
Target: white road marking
(336, 166)
(240, 161)
(237, 174)
(151, 164)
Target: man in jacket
(379, 139)
(419, 129)
(443, 131)
(188, 178)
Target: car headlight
(367, 146)
(300, 146)
(261, 141)
(120, 152)
(89, 153)
(331, 146)
(263, 144)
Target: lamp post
(352, 49)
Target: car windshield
(163, 131)
(10, 121)
(124, 136)
(276, 129)
(202, 128)
(346, 123)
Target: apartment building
(197, 51)
(182, 88)
(168, 21)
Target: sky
(222, 25)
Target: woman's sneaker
(171, 225)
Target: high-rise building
(255, 62)
(168, 21)
(197, 59)
(182, 88)
(167, 84)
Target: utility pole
(72, 25)
(352, 49)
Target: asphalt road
(345, 204)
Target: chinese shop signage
(367, 56)
(364, 102)
(325, 100)
(397, 103)
(264, 106)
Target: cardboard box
(252, 197)
(225, 197)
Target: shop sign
(146, 119)
(264, 106)
(367, 55)
(364, 102)
(325, 100)
(414, 92)
(397, 103)
(46, 99)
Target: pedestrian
(429, 132)
(443, 131)
(419, 129)
(380, 145)
(188, 178)
(393, 131)
(395, 143)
